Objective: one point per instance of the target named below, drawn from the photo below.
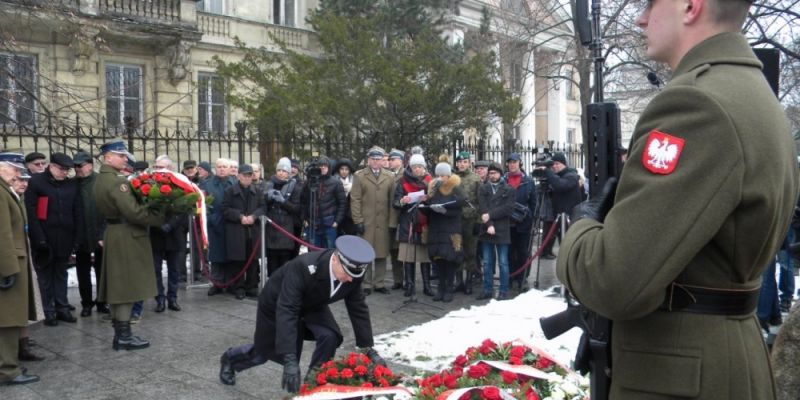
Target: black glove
(375, 357)
(597, 207)
(7, 282)
(291, 374)
(360, 229)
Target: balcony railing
(223, 28)
(161, 10)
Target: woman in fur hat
(445, 244)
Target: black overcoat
(300, 292)
(239, 202)
(60, 205)
(444, 230)
(286, 214)
(499, 205)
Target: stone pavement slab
(182, 361)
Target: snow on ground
(434, 345)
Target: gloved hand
(277, 196)
(291, 374)
(7, 282)
(597, 207)
(360, 229)
(438, 208)
(166, 228)
(375, 357)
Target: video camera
(542, 160)
(313, 170)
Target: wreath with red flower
(166, 193)
(354, 370)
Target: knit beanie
(443, 169)
(284, 165)
(416, 159)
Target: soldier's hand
(375, 357)
(7, 282)
(291, 374)
(597, 207)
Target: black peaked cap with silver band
(355, 254)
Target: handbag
(520, 212)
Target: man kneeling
(294, 307)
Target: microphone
(654, 80)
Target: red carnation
(477, 371)
(490, 344)
(517, 351)
(515, 361)
(383, 382)
(321, 380)
(367, 384)
(435, 380)
(461, 360)
(347, 373)
(144, 177)
(466, 396)
(165, 189)
(450, 381)
(508, 377)
(457, 371)
(304, 388)
(327, 364)
(531, 394)
(485, 350)
(361, 370)
(332, 373)
(145, 189)
(365, 359)
(543, 363)
(490, 393)
(136, 183)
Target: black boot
(449, 272)
(459, 285)
(227, 374)
(125, 340)
(442, 287)
(25, 353)
(426, 279)
(468, 283)
(408, 278)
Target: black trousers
(276, 259)
(83, 265)
(327, 341)
(53, 286)
(546, 226)
(518, 254)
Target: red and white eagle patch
(661, 152)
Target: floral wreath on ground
(491, 371)
(511, 370)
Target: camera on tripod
(313, 170)
(542, 160)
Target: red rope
(545, 242)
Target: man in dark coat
(294, 307)
(323, 204)
(520, 248)
(241, 208)
(215, 186)
(89, 251)
(53, 204)
(564, 189)
(496, 202)
(703, 203)
(17, 303)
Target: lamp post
(240, 128)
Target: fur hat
(284, 165)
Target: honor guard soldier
(17, 304)
(126, 274)
(294, 307)
(703, 203)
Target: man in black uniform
(294, 307)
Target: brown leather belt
(704, 300)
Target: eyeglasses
(64, 169)
(39, 163)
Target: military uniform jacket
(715, 221)
(17, 304)
(470, 182)
(127, 271)
(370, 202)
(298, 293)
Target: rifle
(602, 139)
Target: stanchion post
(190, 269)
(263, 281)
(563, 231)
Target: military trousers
(9, 353)
(470, 244)
(121, 312)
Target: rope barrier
(530, 259)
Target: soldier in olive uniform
(703, 202)
(127, 271)
(470, 181)
(17, 304)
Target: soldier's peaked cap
(355, 254)
(115, 146)
(13, 158)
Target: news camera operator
(323, 202)
(563, 188)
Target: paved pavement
(183, 359)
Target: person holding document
(412, 224)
